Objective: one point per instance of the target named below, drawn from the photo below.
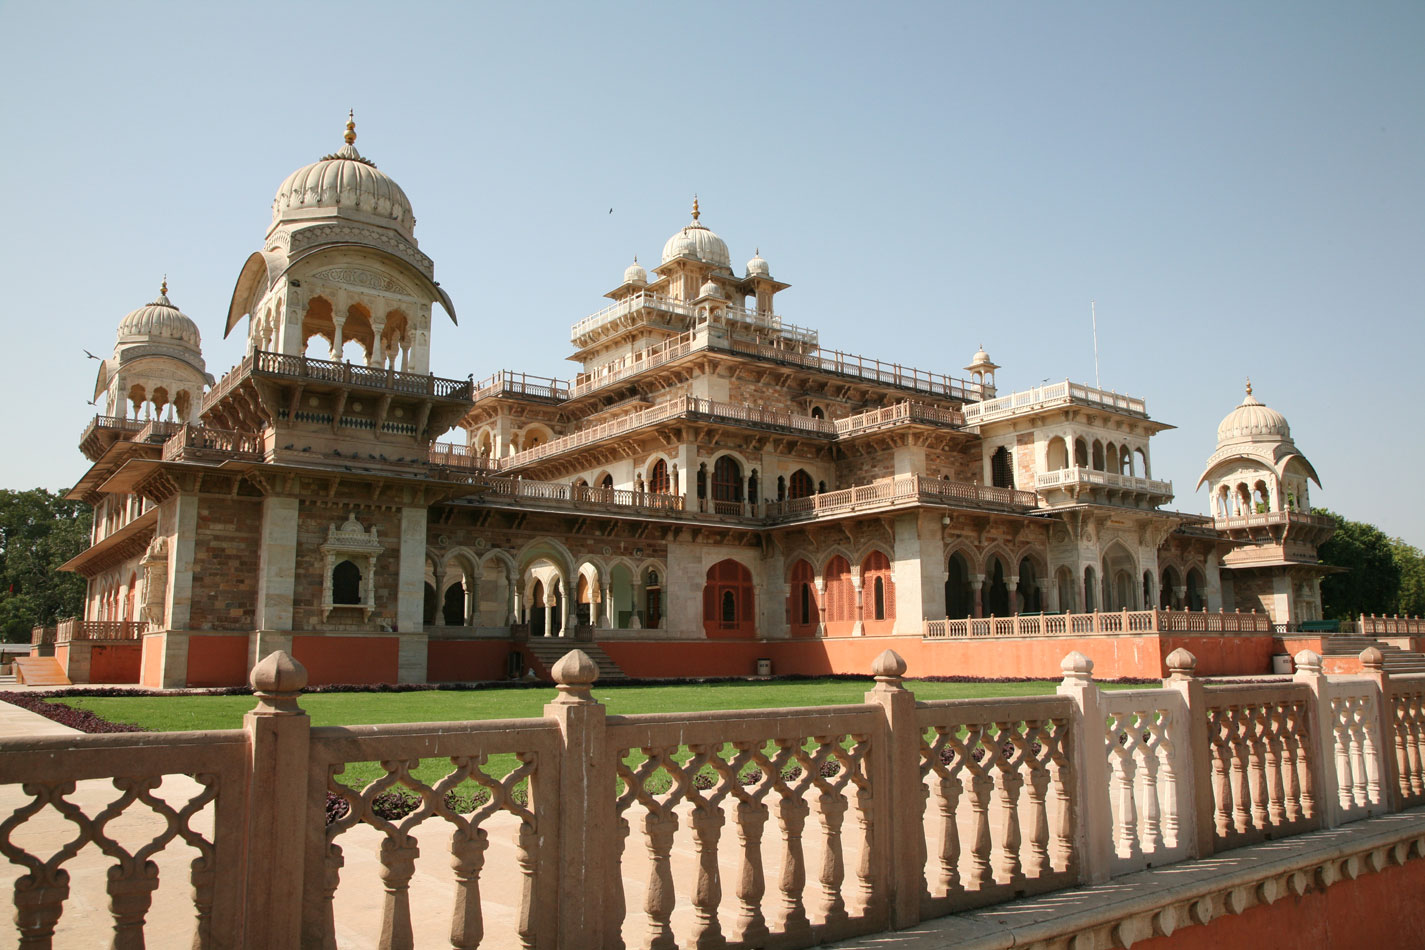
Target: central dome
(697, 242)
(344, 182)
(159, 322)
(1254, 421)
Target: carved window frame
(349, 541)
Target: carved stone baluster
(525, 851)
(1241, 755)
(131, 887)
(1152, 836)
(1221, 783)
(1355, 726)
(331, 877)
(38, 905)
(1063, 814)
(467, 857)
(1340, 725)
(202, 876)
(750, 928)
(1008, 782)
(616, 909)
(981, 875)
(865, 875)
(1253, 728)
(398, 863)
(947, 798)
(707, 829)
(1365, 723)
(832, 808)
(1038, 783)
(1304, 741)
(1291, 785)
(1272, 763)
(792, 921)
(658, 906)
(1123, 747)
(1409, 734)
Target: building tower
(1258, 485)
(157, 370)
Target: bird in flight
(92, 356)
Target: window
(880, 592)
(727, 480)
(658, 478)
(1002, 468)
(346, 583)
(800, 485)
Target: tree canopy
(1383, 575)
(39, 531)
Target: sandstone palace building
(714, 487)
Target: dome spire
(163, 288)
(696, 212)
(350, 136)
(1249, 385)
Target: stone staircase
(548, 651)
(40, 671)
(1396, 660)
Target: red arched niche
(803, 612)
(729, 606)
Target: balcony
(1109, 487)
(509, 383)
(899, 491)
(76, 629)
(902, 413)
(308, 370)
(1265, 519)
(1049, 397)
(586, 330)
(104, 431)
(1097, 623)
(206, 444)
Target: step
(40, 671)
(550, 650)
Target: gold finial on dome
(696, 212)
(350, 127)
(163, 290)
(1249, 385)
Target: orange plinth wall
(335, 659)
(218, 661)
(115, 662)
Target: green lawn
(182, 712)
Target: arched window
(840, 596)
(453, 611)
(1002, 468)
(658, 478)
(1097, 455)
(752, 490)
(781, 488)
(880, 592)
(997, 601)
(727, 485)
(816, 413)
(729, 609)
(805, 616)
(800, 485)
(1111, 458)
(652, 600)
(1081, 453)
(958, 599)
(879, 601)
(1028, 592)
(346, 583)
(802, 613)
(1196, 590)
(608, 482)
(534, 611)
(1056, 455)
(728, 601)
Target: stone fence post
(278, 822)
(898, 802)
(584, 828)
(1193, 759)
(1093, 819)
(1373, 666)
(1322, 723)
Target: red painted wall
(218, 661)
(1383, 911)
(61, 655)
(115, 662)
(152, 663)
(462, 661)
(332, 659)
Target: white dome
(710, 289)
(697, 242)
(159, 322)
(757, 267)
(635, 274)
(1253, 421)
(344, 180)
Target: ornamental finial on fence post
(277, 680)
(1181, 664)
(575, 674)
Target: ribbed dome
(635, 274)
(697, 242)
(711, 289)
(344, 180)
(1253, 421)
(159, 322)
(757, 267)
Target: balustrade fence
(72, 628)
(1098, 622)
(607, 830)
(1371, 625)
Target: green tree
(1371, 582)
(1411, 563)
(39, 531)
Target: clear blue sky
(1238, 185)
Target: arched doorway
(1028, 595)
(729, 606)
(1196, 590)
(536, 610)
(839, 597)
(959, 601)
(996, 600)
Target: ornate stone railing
(580, 333)
(1054, 394)
(1264, 518)
(456, 455)
(576, 496)
(636, 363)
(507, 382)
(42, 634)
(329, 371)
(821, 823)
(1060, 478)
(191, 443)
(899, 489)
(1098, 623)
(901, 412)
(76, 629)
(1371, 625)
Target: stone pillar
(1192, 761)
(858, 629)
(339, 320)
(1093, 825)
(819, 585)
(897, 863)
(411, 583)
(1012, 582)
(772, 609)
(548, 609)
(182, 531)
(282, 860)
(1044, 588)
(277, 564)
(635, 619)
(977, 583)
(411, 659)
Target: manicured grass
(177, 713)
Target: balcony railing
(1061, 478)
(898, 490)
(948, 805)
(42, 634)
(507, 382)
(110, 423)
(575, 496)
(1371, 625)
(454, 455)
(860, 367)
(634, 364)
(901, 412)
(202, 443)
(330, 371)
(1265, 518)
(581, 331)
(76, 629)
(1113, 622)
(1045, 397)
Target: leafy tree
(1411, 600)
(1371, 581)
(39, 531)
